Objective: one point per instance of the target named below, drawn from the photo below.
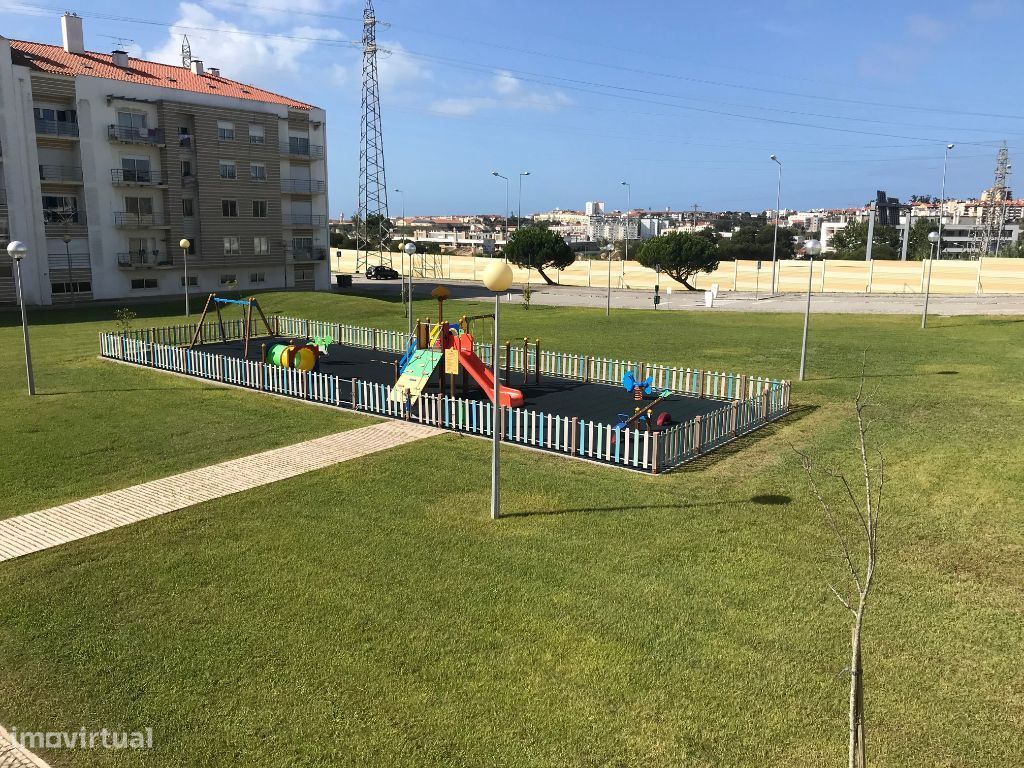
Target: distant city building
(109, 161)
(594, 208)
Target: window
(186, 169)
(131, 119)
(60, 209)
(298, 145)
(228, 280)
(184, 139)
(256, 134)
(135, 169)
(225, 131)
(80, 286)
(227, 169)
(258, 171)
(261, 245)
(140, 283)
(259, 209)
(55, 115)
(188, 207)
(191, 250)
(302, 246)
(229, 208)
(257, 277)
(193, 280)
(140, 206)
(231, 246)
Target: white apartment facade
(108, 162)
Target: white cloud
(396, 68)
(511, 93)
(923, 27)
(505, 83)
(463, 107)
(240, 54)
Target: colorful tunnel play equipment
(300, 357)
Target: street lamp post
(778, 202)
(495, 173)
(498, 279)
(629, 205)
(934, 238)
(519, 218)
(409, 249)
(609, 249)
(942, 202)
(402, 193)
(17, 250)
(812, 248)
(184, 244)
(67, 253)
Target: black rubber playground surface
(562, 397)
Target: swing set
(215, 301)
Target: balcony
(59, 128)
(144, 259)
(309, 220)
(316, 253)
(60, 174)
(126, 177)
(125, 220)
(125, 134)
(302, 149)
(302, 186)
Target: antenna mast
(372, 228)
(186, 52)
(993, 206)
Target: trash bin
(714, 289)
(344, 281)
(709, 298)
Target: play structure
(644, 417)
(451, 344)
(216, 302)
(300, 356)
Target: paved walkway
(52, 527)
(13, 755)
(728, 301)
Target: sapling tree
(852, 521)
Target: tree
(851, 241)
(680, 255)
(856, 534)
(920, 248)
(540, 249)
(755, 242)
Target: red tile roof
(55, 60)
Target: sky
(685, 101)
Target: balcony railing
(305, 220)
(53, 217)
(63, 173)
(137, 178)
(302, 186)
(316, 253)
(56, 128)
(132, 135)
(125, 220)
(302, 149)
(144, 259)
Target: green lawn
(371, 614)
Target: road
(838, 303)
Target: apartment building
(108, 162)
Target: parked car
(380, 272)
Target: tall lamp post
(778, 202)
(409, 249)
(934, 238)
(519, 218)
(812, 248)
(942, 199)
(17, 250)
(67, 254)
(498, 279)
(495, 173)
(629, 205)
(184, 244)
(608, 249)
(402, 193)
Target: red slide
(508, 397)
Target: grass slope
(371, 614)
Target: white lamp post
(629, 205)
(409, 249)
(519, 218)
(402, 193)
(934, 238)
(184, 244)
(812, 248)
(608, 249)
(67, 254)
(18, 251)
(778, 202)
(495, 173)
(942, 199)
(498, 279)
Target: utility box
(709, 298)
(343, 281)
